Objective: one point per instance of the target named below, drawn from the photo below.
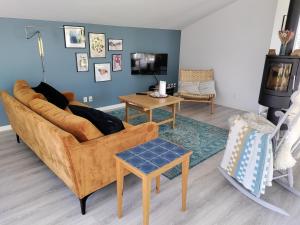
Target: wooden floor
(31, 194)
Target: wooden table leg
(173, 115)
(157, 184)
(126, 112)
(212, 106)
(185, 172)
(146, 199)
(149, 115)
(120, 184)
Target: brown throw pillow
(81, 128)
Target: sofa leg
(83, 203)
(18, 138)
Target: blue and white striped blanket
(248, 157)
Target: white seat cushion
(198, 88)
(207, 87)
(189, 87)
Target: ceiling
(164, 14)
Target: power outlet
(85, 99)
(90, 98)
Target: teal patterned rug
(203, 139)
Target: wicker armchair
(197, 76)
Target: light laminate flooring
(31, 194)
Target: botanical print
(116, 62)
(97, 45)
(102, 72)
(74, 37)
(115, 44)
(82, 62)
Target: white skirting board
(104, 108)
(5, 128)
(111, 107)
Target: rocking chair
(283, 177)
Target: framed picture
(102, 72)
(97, 45)
(82, 62)
(74, 37)
(115, 45)
(116, 62)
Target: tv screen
(149, 64)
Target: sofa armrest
(94, 162)
(69, 95)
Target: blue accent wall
(19, 59)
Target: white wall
(233, 41)
(281, 10)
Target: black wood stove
(280, 79)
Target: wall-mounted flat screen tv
(149, 64)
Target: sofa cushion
(80, 127)
(24, 93)
(106, 123)
(52, 95)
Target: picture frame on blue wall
(115, 44)
(116, 62)
(82, 62)
(97, 45)
(74, 36)
(102, 72)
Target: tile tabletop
(152, 155)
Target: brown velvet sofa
(79, 155)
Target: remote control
(141, 93)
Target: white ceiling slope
(164, 14)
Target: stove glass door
(279, 76)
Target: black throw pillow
(52, 95)
(106, 123)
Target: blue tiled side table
(148, 161)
